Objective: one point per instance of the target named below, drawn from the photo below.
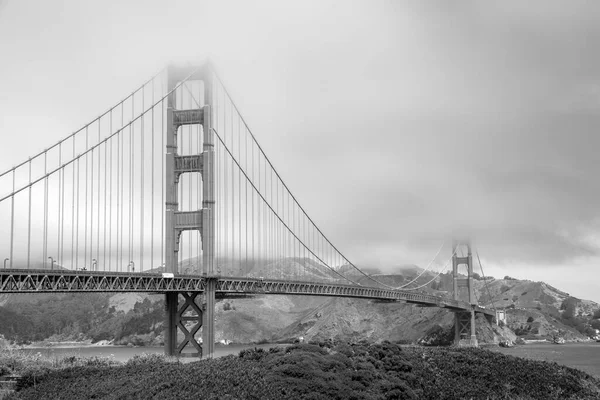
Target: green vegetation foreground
(324, 371)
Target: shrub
(344, 371)
(142, 359)
(522, 330)
(255, 354)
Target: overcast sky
(396, 124)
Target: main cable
(428, 265)
(85, 126)
(269, 206)
(438, 274)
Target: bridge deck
(37, 281)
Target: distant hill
(538, 310)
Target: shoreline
(108, 343)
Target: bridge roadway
(40, 281)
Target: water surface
(124, 353)
(583, 356)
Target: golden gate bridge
(169, 192)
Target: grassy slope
(331, 372)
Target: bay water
(124, 353)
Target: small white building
(500, 316)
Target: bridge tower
(202, 220)
(464, 321)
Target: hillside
(538, 310)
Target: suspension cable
(92, 148)
(288, 191)
(272, 210)
(435, 277)
(85, 126)
(485, 282)
(422, 272)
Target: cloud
(395, 124)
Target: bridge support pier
(464, 322)
(171, 306)
(176, 319)
(208, 330)
(464, 329)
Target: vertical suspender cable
(110, 195)
(77, 224)
(253, 214)
(85, 203)
(59, 219)
(263, 213)
(98, 202)
(232, 173)
(130, 188)
(278, 230)
(12, 220)
(259, 206)
(92, 212)
(142, 183)
(246, 199)
(152, 185)
(304, 238)
(119, 190)
(60, 195)
(122, 190)
(162, 171)
(29, 222)
(239, 193)
(225, 185)
(293, 226)
(106, 189)
(122, 194)
(485, 281)
(273, 225)
(73, 263)
(62, 219)
(45, 245)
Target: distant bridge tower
(202, 220)
(464, 321)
